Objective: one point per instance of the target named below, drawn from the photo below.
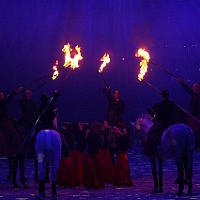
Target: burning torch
(73, 63)
(105, 59)
(144, 67)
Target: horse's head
(142, 125)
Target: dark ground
(140, 174)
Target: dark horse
(177, 141)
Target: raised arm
(108, 94)
(8, 98)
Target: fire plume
(74, 61)
(106, 60)
(69, 61)
(143, 63)
(67, 50)
(55, 69)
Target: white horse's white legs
(47, 146)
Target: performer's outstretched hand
(105, 90)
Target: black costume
(47, 115)
(163, 113)
(115, 109)
(14, 140)
(195, 100)
(195, 111)
(11, 135)
(29, 111)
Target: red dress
(78, 154)
(66, 174)
(105, 161)
(78, 158)
(122, 169)
(91, 168)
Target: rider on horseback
(163, 118)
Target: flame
(143, 63)
(66, 49)
(106, 60)
(74, 61)
(55, 69)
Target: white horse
(47, 148)
(177, 141)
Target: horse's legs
(185, 165)
(10, 167)
(189, 152)
(160, 173)
(179, 164)
(54, 175)
(152, 160)
(41, 189)
(190, 172)
(21, 168)
(36, 169)
(47, 173)
(14, 171)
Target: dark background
(33, 33)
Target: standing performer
(25, 123)
(10, 139)
(194, 107)
(104, 156)
(66, 175)
(122, 170)
(29, 110)
(78, 153)
(115, 109)
(92, 175)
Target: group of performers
(88, 149)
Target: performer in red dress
(104, 157)
(91, 170)
(66, 175)
(78, 152)
(122, 169)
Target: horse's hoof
(40, 196)
(15, 185)
(189, 193)
(179, 193)
(185, 182)
(155, 190)
(54, 196)
(177, 181)
(160, 190)
(47, 180)
(25, 186)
